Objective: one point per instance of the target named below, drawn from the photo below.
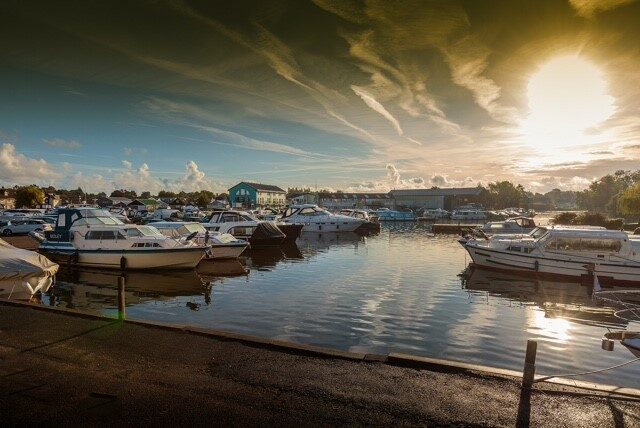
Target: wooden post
(529, 371)
(121, 298)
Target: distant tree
(29, 197)
(629, 201)
(602, 194)
(101, 195)
(145, 195)
(204, 198)
(166, 194)
(122, 193)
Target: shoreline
(64, 349)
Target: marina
(362, 294)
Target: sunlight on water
(400, 291)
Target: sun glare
(567, 96)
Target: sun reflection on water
(556, 329)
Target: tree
(131, 194)
(166, 194)
(204, 198)
(145, 195)
(29, 197)
(629, 201)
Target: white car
(16, 227)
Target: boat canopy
(17, 264)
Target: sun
(567, 96)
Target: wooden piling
(529, 372)
(121, 298)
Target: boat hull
(291, 231)
(182, 258)
(570, 268)
(332, 226)
(227, 251)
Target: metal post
(121, 298)
(529, 371)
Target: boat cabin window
(242, 231)
(61, 220)
(289, 211)
(230, 218)
(595, 245)
(214, 218)
(307, 211)
(101, 234)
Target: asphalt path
(61, 369)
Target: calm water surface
(399, 291)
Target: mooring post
(121, 299)
(529, 371)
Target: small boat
(562, 253)
(516, 225)
(220, 245)
(434, 214)
(469, 214)
(241, 225)
(95, 238)
(316, 219)
(385, 214)
(371, 224)
(23, 273)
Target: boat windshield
(143, 231)
(538, 232)
(187, 229)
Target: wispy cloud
(377, 107)
(62, 144)
(589, 8)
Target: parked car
(24, 227)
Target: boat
(316, 219)
(434, 214)
(23, 273)
(469, 214)
(515, 225)
(95, 238)
(385, 214)
(241, 225)
(371, 224)
(220, 245)
(562, 253)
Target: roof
(145, 202)
(350, 195)
(258, 186)
(454, 191)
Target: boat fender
(191, 236)
(123, 263)
(206, 237)
(536, 265)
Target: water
(399, 291)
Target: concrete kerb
(394, 359)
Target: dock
(58, 367)
(453, 229)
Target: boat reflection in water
(95, 290)
(570, 301)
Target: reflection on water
(399, 290)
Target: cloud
(16, 168)
(589, 8)
(127, 164)
(377, 107)
(63, 144)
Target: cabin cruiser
(385, 214)
(562, 253)
(469, 214)
(241, 225)
(371, 221)
(316, 219)
(120, 213)
(435, 214)
(95, 238)
(220, 245)
(516, 225)
(23, 273)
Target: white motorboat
(372, 222)
(220, 245)
(435, 214)
(241, 225)
(516, 225)
(570, 253)
(23, 273)
(316, 219)
(95, 238)
(469, 214)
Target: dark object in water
(266, 234)
(291, 231)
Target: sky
(365, 95)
